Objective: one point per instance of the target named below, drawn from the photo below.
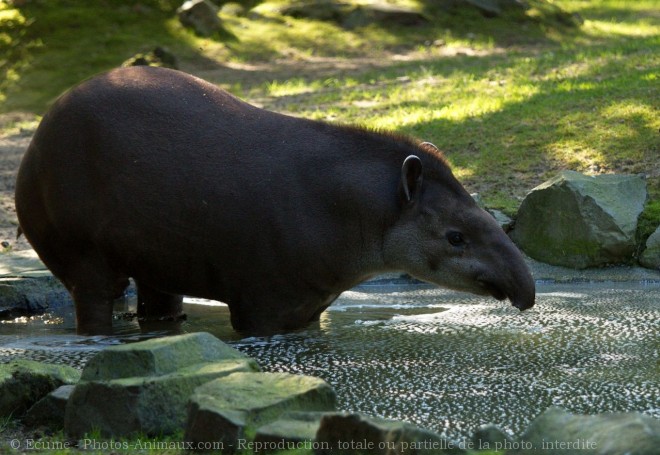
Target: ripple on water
(447, 361)
(591, 350)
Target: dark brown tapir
(157, 175)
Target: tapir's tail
(19, 232)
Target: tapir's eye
(455, 238)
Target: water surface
(443, 360)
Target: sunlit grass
(508, 117)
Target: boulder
(350, 15)
(152, 405)
(346, 434)
(158, 356)
(144, 387)
(24, 382)
(27, 286)
(201, 16)
(488, 437)
(221, 411)
(580, 221)
(502, 219)
(384, 14)
(324, 10)
(650, 257)
(541, 11)
(292, 430)
(49, 411)
(562, 433)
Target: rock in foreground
(562, 433)
(222, 410)
(346, 434)
(24, 382)
(144, 387)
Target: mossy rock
(562, 433)
(650, 257)
(580, 221)
(158, 356)
(377, 436)
(24, 382)
(224, 410)
(151, 405)
(350, 15)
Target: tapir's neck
(362, 198)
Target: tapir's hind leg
(154, 305)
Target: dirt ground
(12, 147)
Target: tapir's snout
(506, 275)
(522, 293)
(523, 304)
(520, 290)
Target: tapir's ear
(411, 178)
(429, 144)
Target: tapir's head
(441, 236)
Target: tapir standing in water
(156, 175)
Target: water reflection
(446, 361)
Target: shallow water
(443, 360)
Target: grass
(511, 101)
(94, 444)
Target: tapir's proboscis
(156, 175)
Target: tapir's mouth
(499, 294)
(493, 290)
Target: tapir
(156, 175)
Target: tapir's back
(138, 165)
(124, 144)
(144, 170)
(156, 175)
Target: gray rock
(544, 11)
(490, 437)
(27, 287)
(489, 8)
(561, 433)
(578, 221)
(30, 295)
(24, 382)
(158, 356)
(201, 16)
(49, 411)
(504, 221)
(350, 16)
(346, 434)
(152, 405)
(650, 257)
(479, 200)
(221, 411)
(292, 430)
(384, 14)
(324, 10)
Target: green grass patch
(511, 100)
